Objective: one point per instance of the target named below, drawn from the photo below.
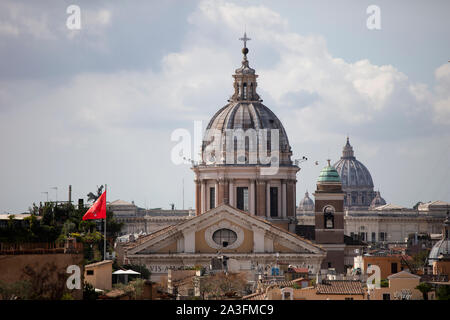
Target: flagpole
(104, 240)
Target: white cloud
(319, 98)
(442, 91)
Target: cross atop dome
(245, 39)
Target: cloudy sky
(98, 105)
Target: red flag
(98, 209)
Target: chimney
(70, 193)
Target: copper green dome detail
(329, 174)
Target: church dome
(377, 201)
(245, 116)
(352, 172)
(356, 179)
(328, 174)
(441, 249)
(306, 204)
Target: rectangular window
(352, 235)
(242, 198)
(90, 272)
(373, 237)
(348, 298)
(394, 267)
(386, 296)
(212, 198)
(274, 202)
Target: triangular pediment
(226, 216)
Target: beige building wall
(12, 267)
(396, 285)
(201, 246)
(311, 294)
(99, 274)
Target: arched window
(328, 215)
(244, 91)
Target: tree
(443, 292)
(47, 283)
(223, 284)
(17, 290)
(89, 292)
(424, 287)
(142, 269)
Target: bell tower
(329, 218)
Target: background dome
(377, 201)
(306, 204)
(352, 172)
(356, 180)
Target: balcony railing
(40, 248)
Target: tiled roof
(95, 264)
(300, 270)
(255, 296)
(150, 236)
(403, 274)
(340, 287)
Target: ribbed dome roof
(352, 172)
(247, 115)
(441, 248)
(306, 204)
(377, 201)
(329, 174)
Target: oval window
(224, 237)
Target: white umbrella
(125, 272)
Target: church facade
(245, 197)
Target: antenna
(183, 192)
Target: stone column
(283, 198)
(203, 196)
(289, 198)
(252, 197)
(268, 199)
(231, 193)
(226, 192)
(261, 198)
(198, 204)
(294, 196)
(216, 194)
